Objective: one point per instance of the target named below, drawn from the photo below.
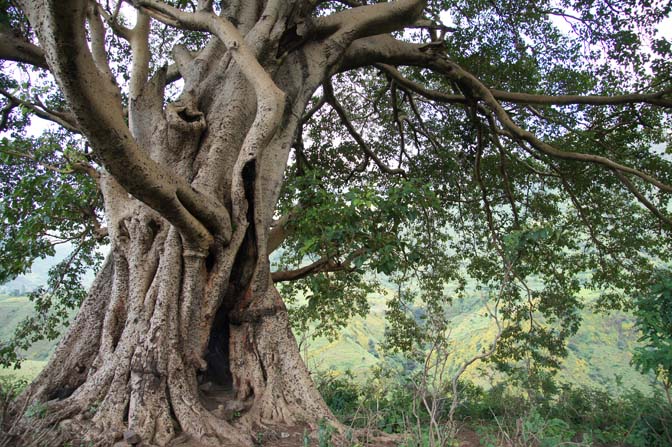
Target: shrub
(10, 388)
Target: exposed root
(68, 366)
(194, 419)
(267, 367)
(144, 375)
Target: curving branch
(270, 107)
(321, 265)
(333, 102)
(96, 102)
(313, 110)
(642, 199)
(657, 98)
(418, 88)
(63, 119)
(470, 83)
(270, 99)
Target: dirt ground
(295, 438)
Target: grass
(28, 371)
(503, 415)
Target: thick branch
(13, 48)
(322, 265)
(318, 266)
(139, 40)
(97, 32)
(96, 102)
(280, 230)
(384, 48)
(380, 18)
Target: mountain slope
(598, 354)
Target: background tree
(654, 320)
(438, 143)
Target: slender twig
(333, 102)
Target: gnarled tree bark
(185, 303)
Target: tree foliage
(654, 319)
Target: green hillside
(13, 309)
(598, 353)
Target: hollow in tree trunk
(180, 347)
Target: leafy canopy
(654, 320)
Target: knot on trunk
(185, 118)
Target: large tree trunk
(176, 339)
(183, 328)
(181, 347)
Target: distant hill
(598, 354)
(38, 274)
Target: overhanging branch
(333, 102)
(657, 98)
(470, 83)
(95, 100)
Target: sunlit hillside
(599, 354)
